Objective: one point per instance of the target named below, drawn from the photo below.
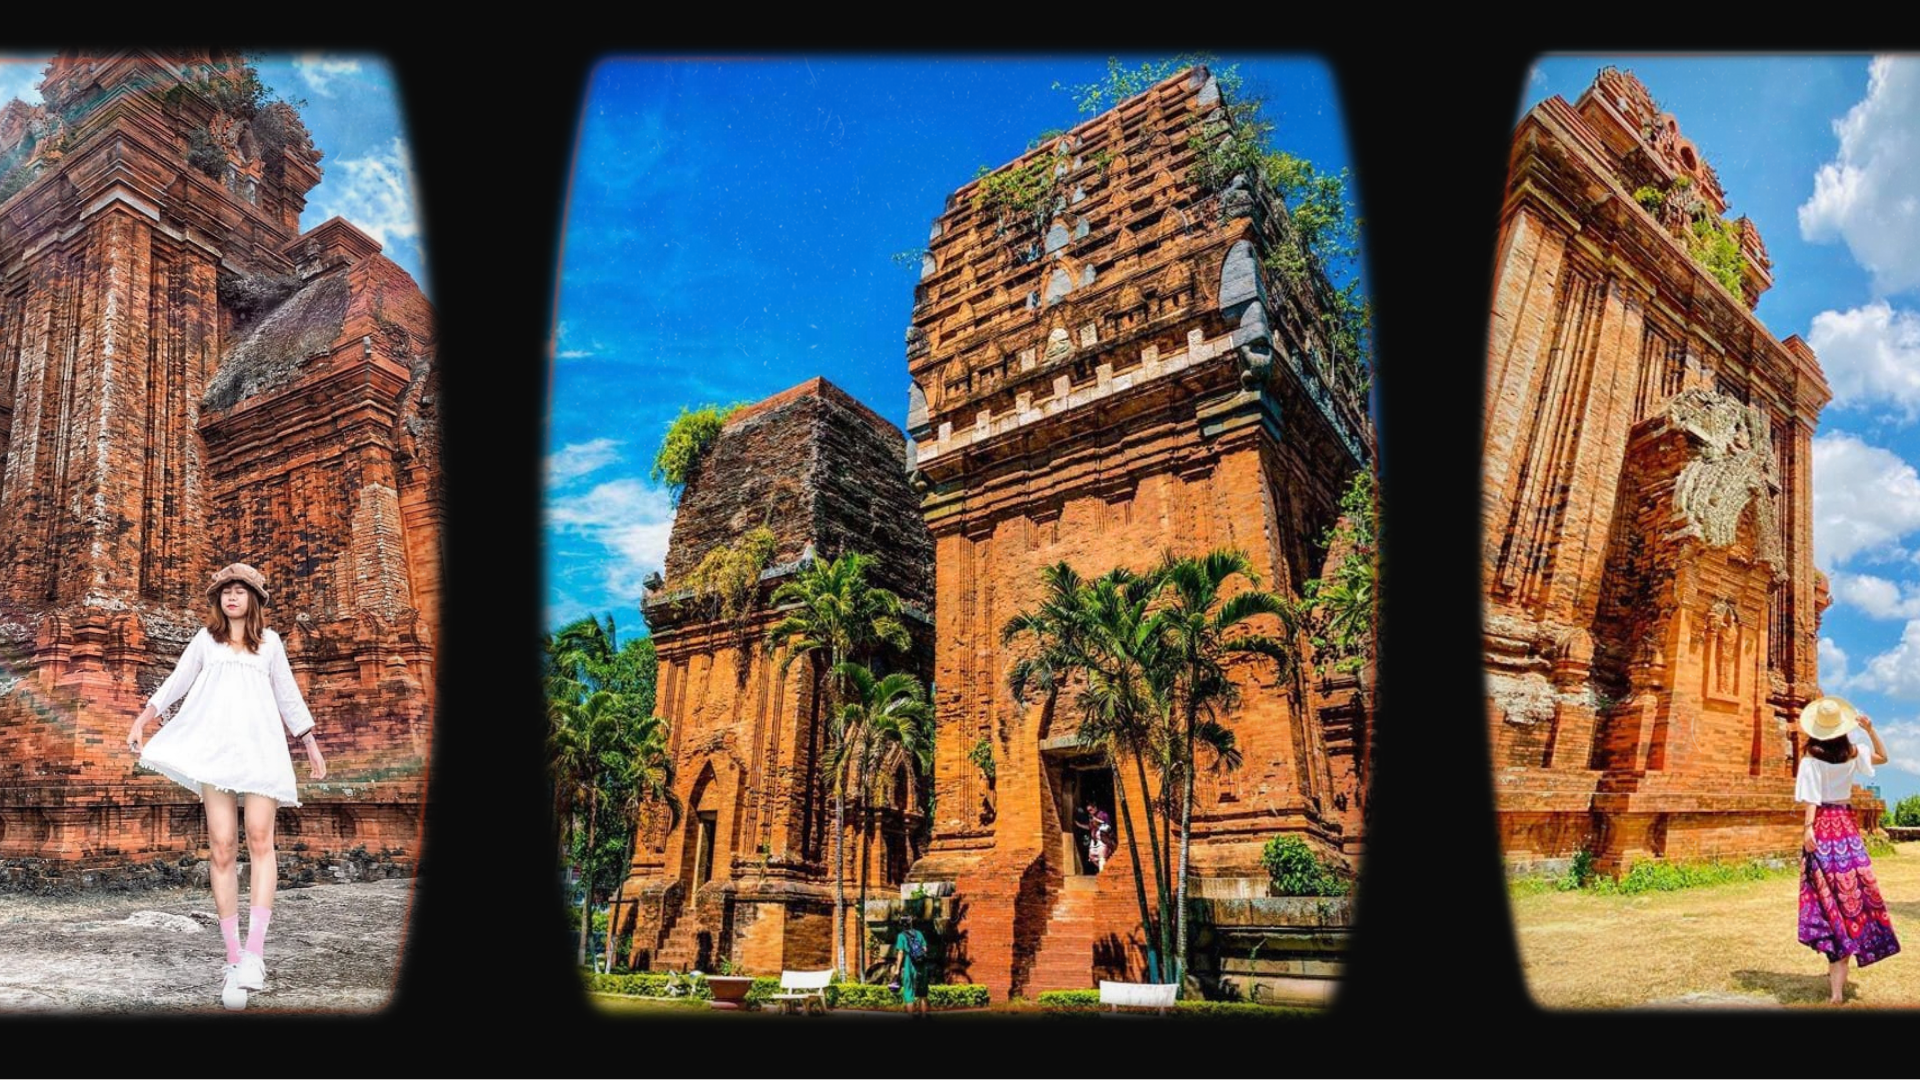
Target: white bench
(1159, 996)
(802, 990)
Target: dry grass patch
(1715, 946)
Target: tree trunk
(1161, 899)
(586, 894)
(1139, 881)
(1180, 895)
(613, 929)
(866, 861)
(839, 882)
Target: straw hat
(244, 574)
(1828, 718)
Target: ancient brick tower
(185, 380)
(1652, 606)
(1100, 378)
(747, 874)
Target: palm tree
(578, 750)
(1203, 632)
(581, 661)
(643, 777)
(892, 725)
(837, 617)
(1056, 629)
(1123, 704)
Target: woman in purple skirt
(1841, 912)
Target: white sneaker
(251, 971)
(232, 994)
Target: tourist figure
(225, 744)
(1099, 828)
(1841, 911)
(910, 953)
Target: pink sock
(257, 929)
(230, 930)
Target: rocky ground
(329, 947)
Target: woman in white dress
(225, 743)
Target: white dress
(229, 733)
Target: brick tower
(1652, 606)
(185, 380)
(747, 874)
(1103, 376)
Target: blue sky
(731, 231)
(355, 115)
(1823, 154)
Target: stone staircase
(679, 943)
(1086, 933)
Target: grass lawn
(1720, 946)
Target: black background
(1433, 984)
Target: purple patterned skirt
(1841, 913)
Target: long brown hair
(1832, 751)
(255, 625)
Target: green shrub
(982, 757)
(764, 987)
(1241, 1009)
(687, 439)
(861, 996)
(650, 984)
(1659, 875)
(1906, 812)
(1580, 873)
(1879, 847)
(957, 996)
(1069, 1000)
(1297, 871)
(1715, 245)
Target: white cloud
(20, 78)
(319, 71)
(1895, 672)
(628, 518)
(1877, 596)
(1865, 195)
(375, 193)
(1902, 739)
(1864, 500)
(1870, 354)
(563, 352)
(578, 459)
(1833, 666)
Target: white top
(229, 731)
(1824, 782)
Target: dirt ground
(329, 947)
(1723, 946)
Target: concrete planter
(729, 991)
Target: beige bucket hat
(244, 574)
(1828, 718)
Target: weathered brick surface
(187, 382)
(1652, 606)
(1129, 381)
(822, 472)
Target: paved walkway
(329, 947)
(1719, 947)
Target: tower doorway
(1083, 791)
